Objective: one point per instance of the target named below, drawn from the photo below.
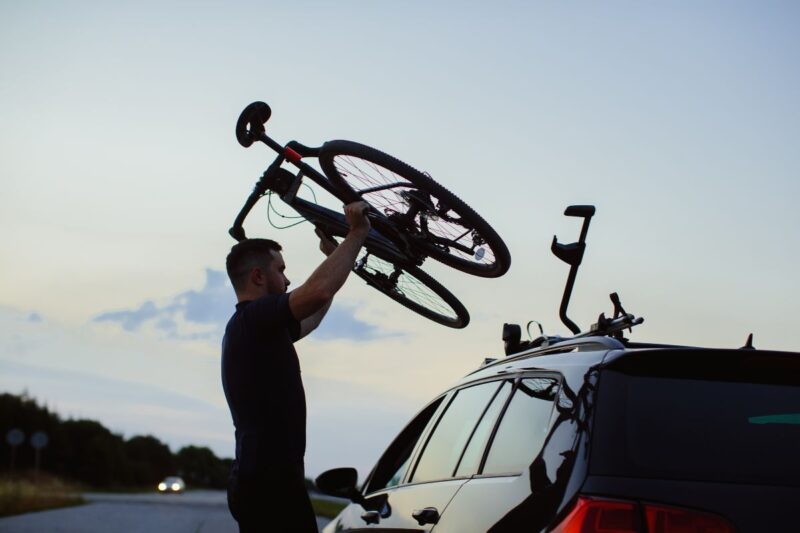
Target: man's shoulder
(268, 310)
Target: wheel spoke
(400, 284)
(441, 223)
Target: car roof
(585, 352)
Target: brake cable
(271, 208)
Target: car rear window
(443, 449)
(740, 424)
(524, 427)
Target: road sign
(39, 440)
(15, 437)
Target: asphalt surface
(191, 512)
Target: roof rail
(545, 344)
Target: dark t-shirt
(261, 380)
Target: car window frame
(442, 401)
(445, 399)
(452, 395)
(517, 380)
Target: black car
(594, 433)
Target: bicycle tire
(413, 289)
(441, 305)
(442, 226)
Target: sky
(121, 175)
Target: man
(261, 374)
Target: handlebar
(237, 231)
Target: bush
(87, 452)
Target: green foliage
(200, 467)
(151, 460)
(25, 495)
(24, 413)
(87, 452)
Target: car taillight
(674, 520)
(591, 515)
(596, 515)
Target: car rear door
(415, 497)
(500, 476)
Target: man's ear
(257, 277)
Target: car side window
(471, 459)
(392, 466)
(523, 428)
(453, 430)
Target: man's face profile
(276, 280)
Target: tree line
(87, 452)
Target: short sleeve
(272, 312)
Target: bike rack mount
(572, 254)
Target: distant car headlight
(162, 486)
(176, 487)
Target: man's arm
(307, 325)
(317, 292)
(326, 245)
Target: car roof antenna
(749, 344)
(572, 254)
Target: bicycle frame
(388, 244)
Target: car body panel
(482, 502)
(395, 507)
(539, 497)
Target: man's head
(255, 268)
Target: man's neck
(250, 295)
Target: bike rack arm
(572, 254)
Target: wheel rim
(399, 284)
(425, 217)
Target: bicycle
(412, 217)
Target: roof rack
(572, 254)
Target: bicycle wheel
(379, 265)
(434, 220)
(413, 288)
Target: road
(193, 512)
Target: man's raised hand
(326, 244)
(356, 215)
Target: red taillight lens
(673, 520)
(591, 515)
(595, 515)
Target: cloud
(198, 315)
(341, 323)
(189, 315)
(213, 305)
(131, 320)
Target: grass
(26, 494)
(327, 508)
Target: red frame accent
(291, 155)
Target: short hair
(246, 255)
